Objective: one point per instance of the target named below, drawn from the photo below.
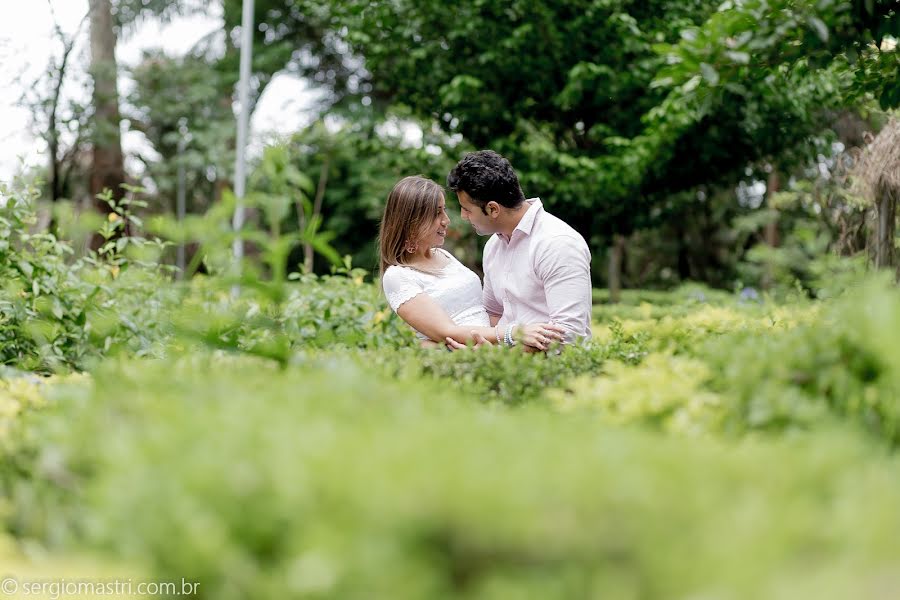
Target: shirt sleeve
(399, 287)
(488, 297)
(563, 264)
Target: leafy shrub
(323, 481)
(342, 310)
(666, 392)
(678, 296)
(490, 373)
(61, 313)
(685, 332)
(44, 304)
(329, 312)
(771, 369)
(57, 312)
(847, 361)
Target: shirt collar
(526, 224)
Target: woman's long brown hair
(412, 204)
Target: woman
(433, 292)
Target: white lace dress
(455, 287)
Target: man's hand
(540, 335)
(453, 344)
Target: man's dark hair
(486, 176)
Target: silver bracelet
(508, 338)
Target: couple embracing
(537, 279)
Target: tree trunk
(107, 170)
(317, 211)
(887, 219)
(683, 261)
(770, 234)
(616, 254)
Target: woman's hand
(454, 345)
(539, 335)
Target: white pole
(240, 174)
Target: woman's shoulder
(399, 275)
(448, 254)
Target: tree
(59, 121)
(296, 37)
(107, 169)
(176, 104)
(557, 87)
(612, 108)
(349, 170)
(61, 164)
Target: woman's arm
(426, 316)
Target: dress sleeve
(400, 286)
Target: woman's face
(436, 230)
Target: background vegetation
(729, 432)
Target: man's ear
(493, 209)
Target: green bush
(324, 481)
(58, 312)
(664, 391)
(341, 310)
(295, 441)
(726, 371)
(491, 373)
(43, 302)
(337, 312)
(847, 361)
(686, 330)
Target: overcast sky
(27, 42)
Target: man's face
(471, 212)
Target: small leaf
(820, 27)
(26, 268)
(709, 73)
(742, 58)
(691, 84)
(689, 34)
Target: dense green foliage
(643, 120)
(269, 428)
(602, 128)
(648, 121)
(293, 440)
(60, 313)
(328, 480)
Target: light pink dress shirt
(541, 274)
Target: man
(536, 267)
